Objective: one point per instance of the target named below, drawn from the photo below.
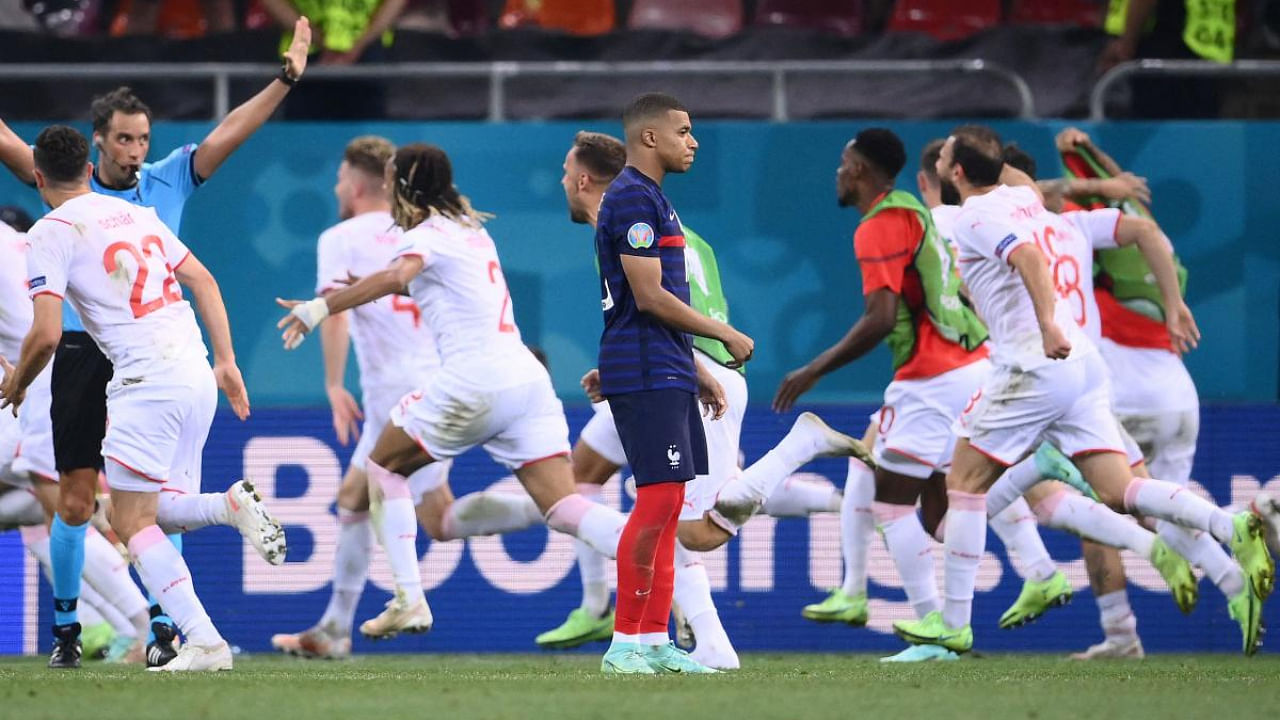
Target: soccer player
(490, 389)
(1047, 380)
(122, 135)
(396, 354)
(120, 266)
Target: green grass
(555, 687)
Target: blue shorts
(661, 433)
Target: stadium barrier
(496, 593)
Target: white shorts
(156, 429)
(377, 406)
(10, 439)
(516, 425)
(723, 458)
(1067, 403)
(1167, 441)
(35, 452)
(916, 425)
(1148, 382)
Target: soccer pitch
(567, 686)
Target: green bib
(341, 21)
(1210, 30)
(935, 263)
(705, 293)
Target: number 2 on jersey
(152, 249)
(506, 320)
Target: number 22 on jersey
(147, 259)
(506, 318)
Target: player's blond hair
(424, 187)
(369, 154)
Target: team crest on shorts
(640, 236)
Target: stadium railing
(1124, 71)
(498, 73)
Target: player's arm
(383, 18)
(1158, 253)
(644, 275)
(16, 155)
(213, 313)
(335, 344)
(245, 120)
(1031, 265)
(876, 323)
(37, 349)
(303, 317)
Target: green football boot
(839, 607)
(922, 653)
(1036, 598)
(669, 659)
(1246, 609)
(1052, 463)
(931, 630)
(96, 639)
(625, 659)
(1176, 572)
(1249, 547)
(580, 629)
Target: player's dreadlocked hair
(424, 187)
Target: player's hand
(1124, 186)
(739, 346)
(303, 317)
(591, 385)
(11, 396)
(1055, 342)
(346, 415)
(1182, 328)
(295, 58)
(796, 383)
(231, 384)
(1070, 138)
(711, 395)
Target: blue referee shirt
(637, 351)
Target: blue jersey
(163, 186)
(637, 351)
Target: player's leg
(857, 527)
(1119, 624)
(592, 620)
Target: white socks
(1092, 520)
(350, 569)
(596, 525)
(1012, 484)
(857, 524)
(1016, 528)
(397, 529)
(761, 480)
(180, 512)
(1167, 501)
(1119, 624)
(1201, 550)
(108, 573)
(912, 552)
(966, 540)
(490, 512)
(591, 566)
(165, 574)
(802, 496)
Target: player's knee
(1112, 497)
(75, 509)
(701, 536)
(354, 497)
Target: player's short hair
(1017, 157)
(60, 153)
(120, 100)
(424, 187)
(977, 150)
(16, 218)
(602, 155)
(929, 157)
(369, 154)
(646, 106)
(882, 148)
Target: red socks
(646, 560)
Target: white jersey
(464, 300)
(1073, 266)
(114, 262)
(394, 346)
(15, 307)
(987, 230)
(944, 221)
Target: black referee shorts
(79, 409)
